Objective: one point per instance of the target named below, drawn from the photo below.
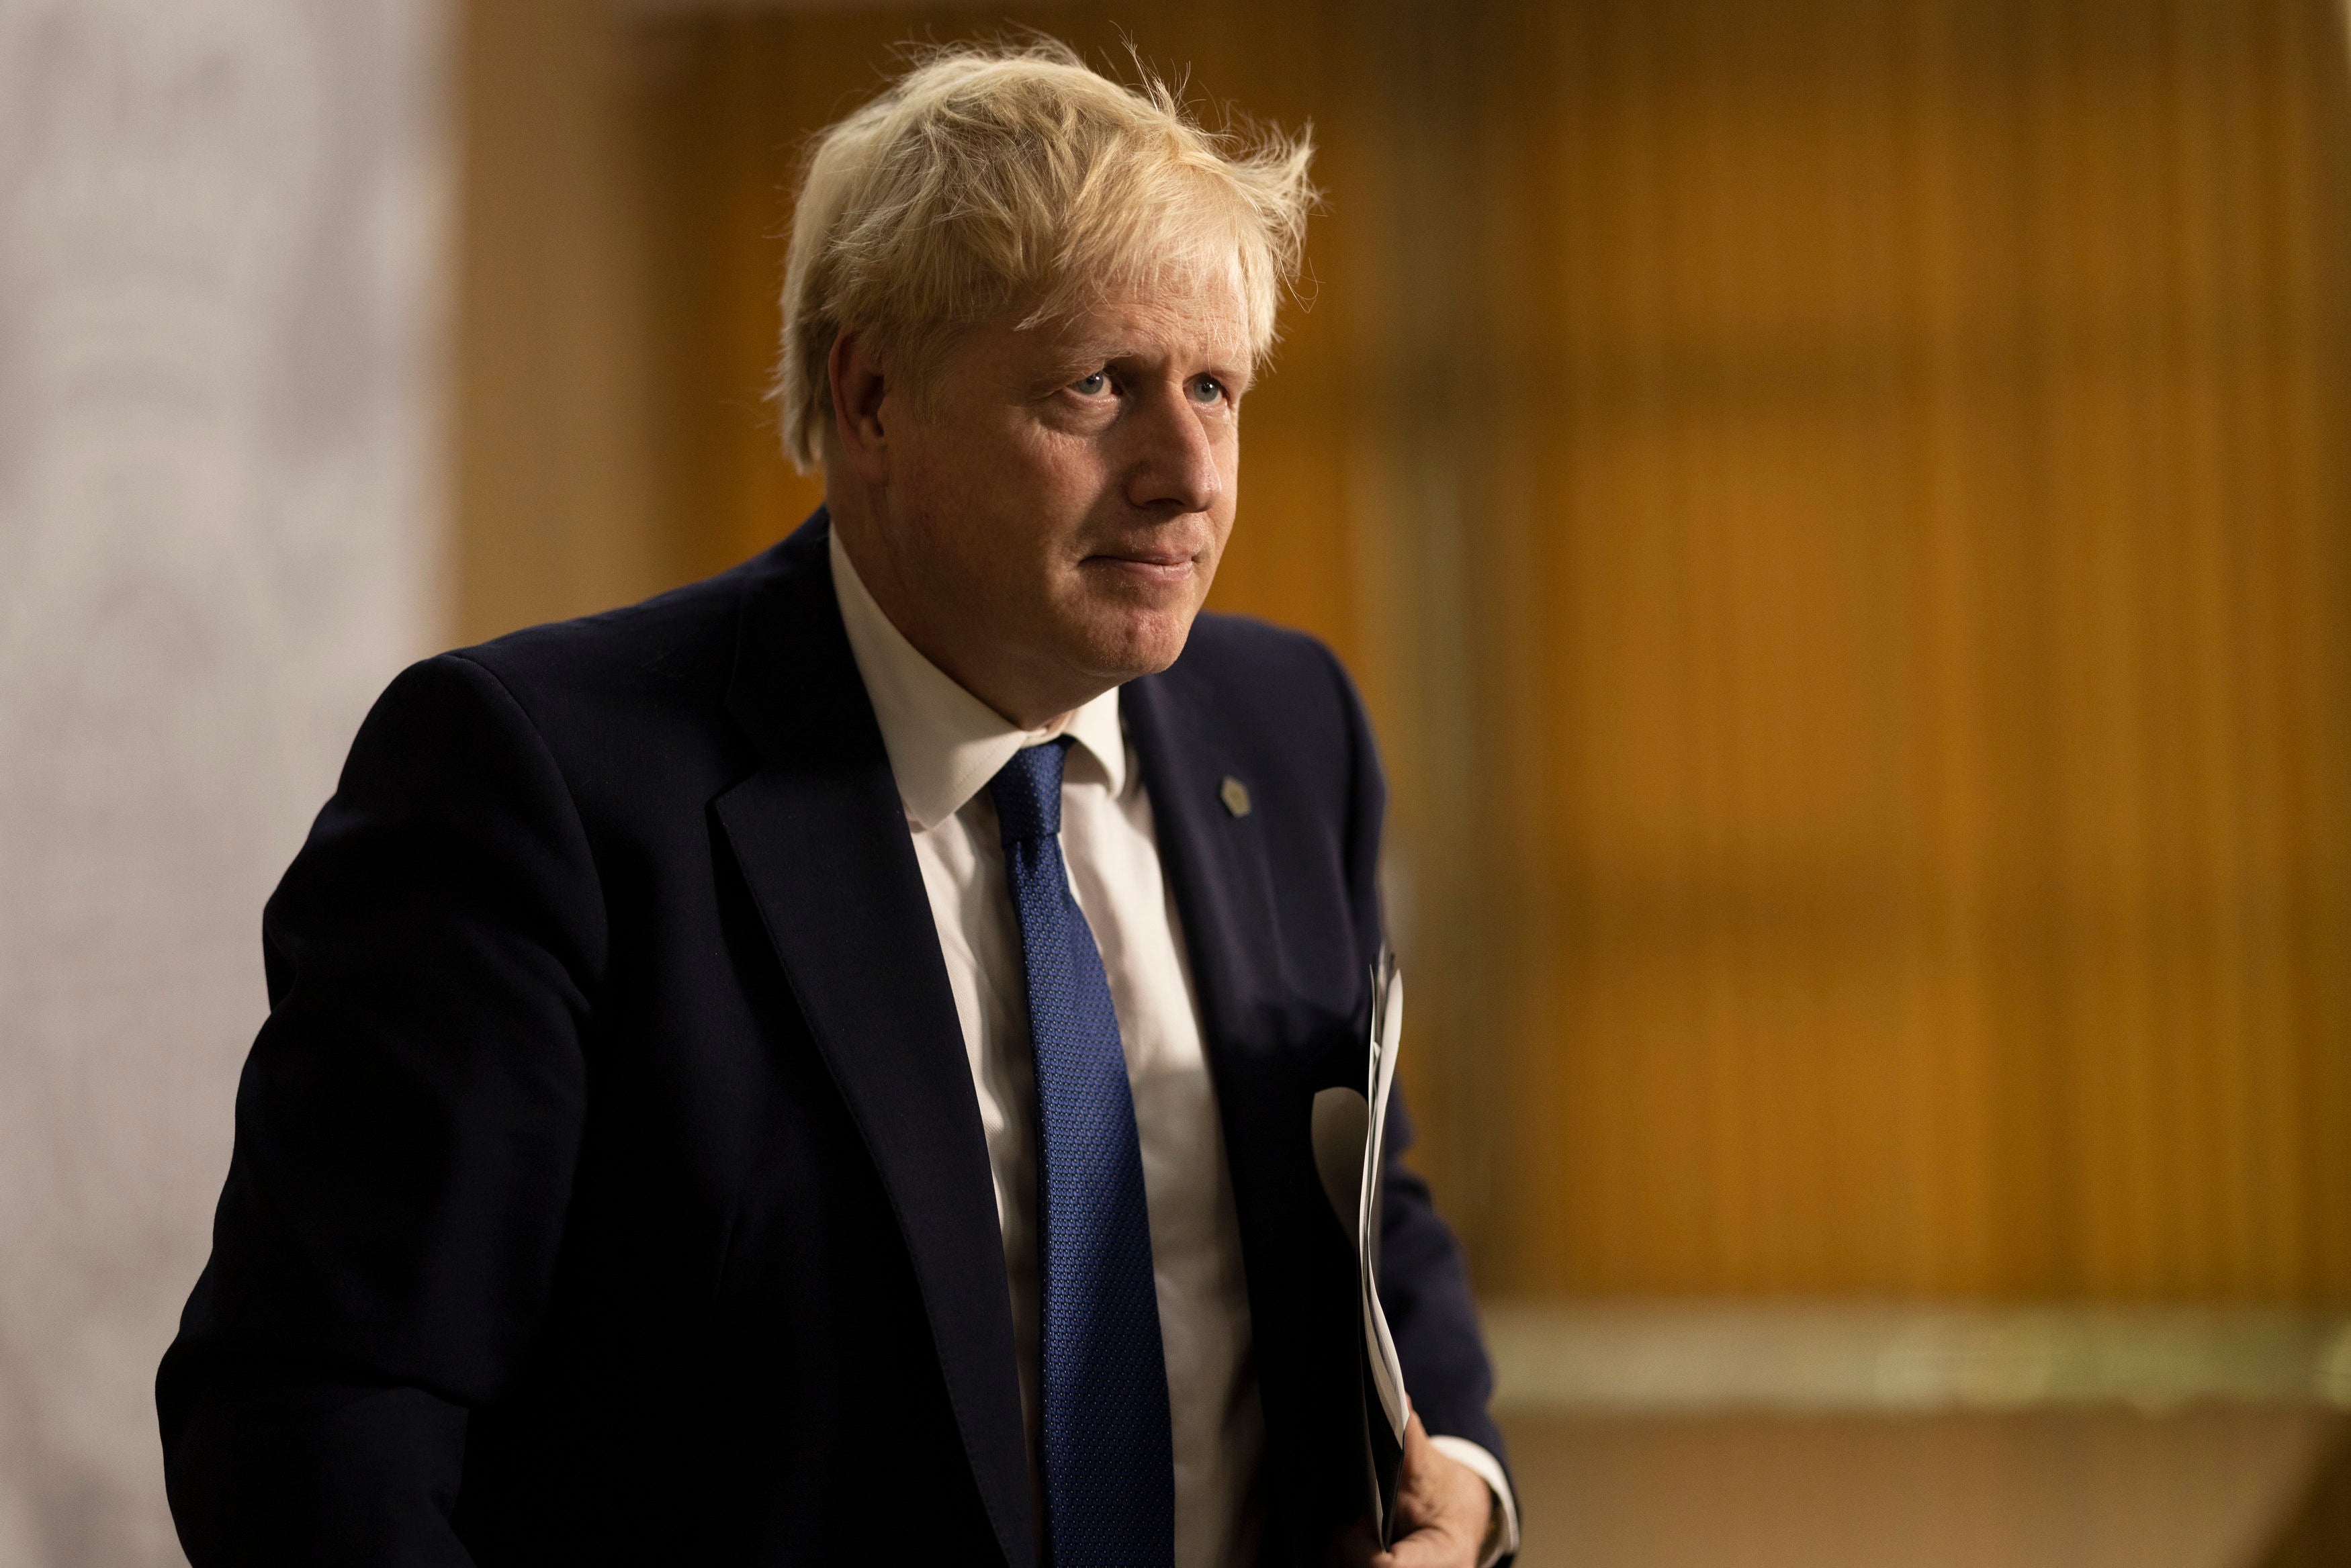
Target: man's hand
(1444, 1509)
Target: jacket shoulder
(1247, 669)
(684, 636)
(633, 702)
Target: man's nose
(1176, 468)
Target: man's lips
(1155, 565)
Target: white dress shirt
(944, 745)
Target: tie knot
(1027, 792)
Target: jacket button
(1235, 795)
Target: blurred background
(1841, 510)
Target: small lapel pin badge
(1235, 795)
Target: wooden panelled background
(1840, 510)
(1930, 739)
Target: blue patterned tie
(1110, 1470)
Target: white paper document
(1350, 1133)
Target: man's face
(1057, 503)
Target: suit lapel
(1211, 868)
(821, 838)
(1216, 866)
(1300, 1287)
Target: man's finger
(1430, 1548)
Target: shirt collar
(944, 743)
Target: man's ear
(857, 389)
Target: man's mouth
(1166, 558)
(1167, 564)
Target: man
(818, 1067)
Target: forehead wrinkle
(1148, 330)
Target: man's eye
(1206, 388)
(1091, 386)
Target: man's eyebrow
(1061, 369)
(1092, 354)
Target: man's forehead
(1187, 310)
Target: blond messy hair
(994, 179)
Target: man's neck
(877, 569)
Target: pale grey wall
(218, 293)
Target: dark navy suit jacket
(609, 1185)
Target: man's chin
(1125, 645)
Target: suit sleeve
(406, 1128)
(1423, 1282)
